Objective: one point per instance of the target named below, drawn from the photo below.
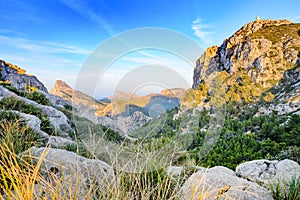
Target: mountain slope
(250, 62)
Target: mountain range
(242, 112)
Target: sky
(53, 39)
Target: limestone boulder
(221, 183)
(268, 173)
(77, 174)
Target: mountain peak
(18, 78)
(252, 27)
(251, 61)
(59, 84)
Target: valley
(238, 126)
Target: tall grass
(18, 176)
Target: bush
(11, 103)
(15, 133)
(37, 97)
(31, 94)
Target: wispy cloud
(46, 59)
(201, 30)
(294, 19)
(21, 10)
(41, 46)
(90, 13)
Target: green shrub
(11, 103)
(15, 133)
(29, 94)
(37, 97)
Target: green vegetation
(291, 190)
(162, 126)
(12, 103)
(242, 138)
(85, 126)
(252, 138)
(29, 93)
(37, 97)
(15, 133)
(272, 33)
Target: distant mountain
(85, 104)
(121, 112)
(174, 92)
(120, 102)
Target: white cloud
(201, 31)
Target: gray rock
(33, 122)
(60, 142)
(56, 100)
(57, 119)
(268, 173)
(52, 141)
(125, 124)
(175, 170)
(19, 80)
(221, 183)
(76, 171)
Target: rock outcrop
(221, 183)
(250, 62)
(286, 94)
(17, 77)
(57, 118)
(75, 171)
(34, 123)
(269, 173)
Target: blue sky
(51, 39)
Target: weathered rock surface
(57, 119)
(175, 170)
(77, 171)
(51, 141)
(221, 183)
(17, 77)
(250, 62)
(129, 123)
(33, 122)
(60, 142)
(268, 173)
(286, 94)
(56, 100)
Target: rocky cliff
(251, 61)
(18, 77)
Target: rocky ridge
(18, 78)
(250, 180)
(250, 62)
